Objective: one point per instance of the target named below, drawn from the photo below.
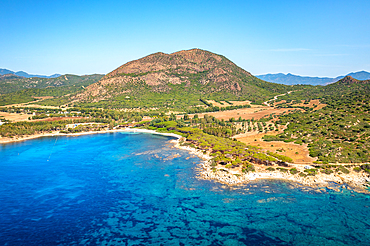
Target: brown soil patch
(240, 103)
(320, 106)
(32, 106)
(280, 102)
(248, 113)
(14, 117)
(289, 149)
(217, 104)
(42, 98)
(312, 104)
(225, 104)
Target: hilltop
(176, 80)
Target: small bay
(137, 189)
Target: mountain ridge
(291, 79)
(4, 71)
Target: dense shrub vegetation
(21, 90)
(340, 132)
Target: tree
(172, 117)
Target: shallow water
(131, 189)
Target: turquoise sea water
(131, 189)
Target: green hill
(17, 89)
(339, 132)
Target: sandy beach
(4, 140)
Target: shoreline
(358, 182)
(57, 133)
(353, 181)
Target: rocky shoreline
(358, 182)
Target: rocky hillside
(10, 76)
(183, 75)
(348, 80)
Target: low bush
(357, 169)
(311, 172)
(293, 171)
(284, 170)
(248, 168)
(366, 168)
(342, 169)
(326, 171)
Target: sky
(310, 38)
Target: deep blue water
(128, 189)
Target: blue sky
(313, 38)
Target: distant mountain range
(26, 75)
(280, 78)
(291, 79)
